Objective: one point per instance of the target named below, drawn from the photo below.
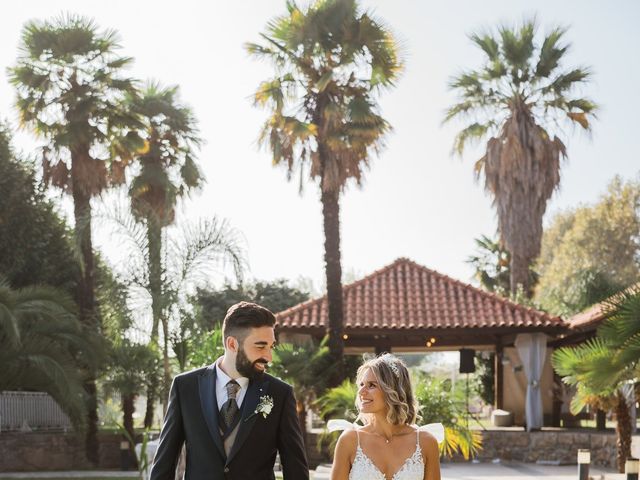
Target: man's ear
(231, 343)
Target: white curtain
(532, 349)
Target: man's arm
(290, 444)
(171, 439)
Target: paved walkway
(510, 471)
(450, 471)
(519, 471)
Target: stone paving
(504, 471)
(450, 471)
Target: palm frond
(551, 52)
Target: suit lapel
(256, 390)
(209, 404)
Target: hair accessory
(394, 368)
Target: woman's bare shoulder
(427, 441)
(349, 437)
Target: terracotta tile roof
(591, 318)
(407, 296)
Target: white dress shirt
(221, 391)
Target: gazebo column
(498, 379)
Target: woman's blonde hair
(393, 378)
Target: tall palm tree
(41, 340)
(331, 61)
(517, 100)
(69, 84)
(599, 367)
(167, 171)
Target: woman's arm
(344, 455)
(431, 455)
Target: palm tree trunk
(152, 393)
(333, 269)
(154, 239)
(128, 409)
(623, 432)
(519, 270)
(88, 313)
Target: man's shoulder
(193, 374)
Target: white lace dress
(364, 469)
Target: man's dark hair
(243, 316)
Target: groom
(232, 415)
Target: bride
(389, 446)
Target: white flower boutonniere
(264, 407)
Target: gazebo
(406, 307)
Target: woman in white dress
(389, 446)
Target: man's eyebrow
(262, 342)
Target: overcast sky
(417, 201)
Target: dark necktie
(230, 407)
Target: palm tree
(602, 365)
(131, 371)
(491, 265)
(69, 85)
(167, 171)
(190, 255)
(516, 99)
(41, 340)
(331, 61)
(308, 367)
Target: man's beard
(247, 368)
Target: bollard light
(584, 459)
(631, 468)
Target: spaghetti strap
(358, 436)
(417, 437)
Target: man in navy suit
(232, 415)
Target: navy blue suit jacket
(192, 419)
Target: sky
(417, 200)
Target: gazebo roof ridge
(402, 293)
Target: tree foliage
(42, 342)
(591, 252)
(436, 404)
(276, 295)
(37, 246)
(603, 366)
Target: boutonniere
(264, 407)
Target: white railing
(26, 411)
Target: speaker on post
(467, 360)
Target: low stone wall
(314, 456)
(548, 446)
(29, 452)
(59, 451)
(554, 446)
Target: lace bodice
(364, 469)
